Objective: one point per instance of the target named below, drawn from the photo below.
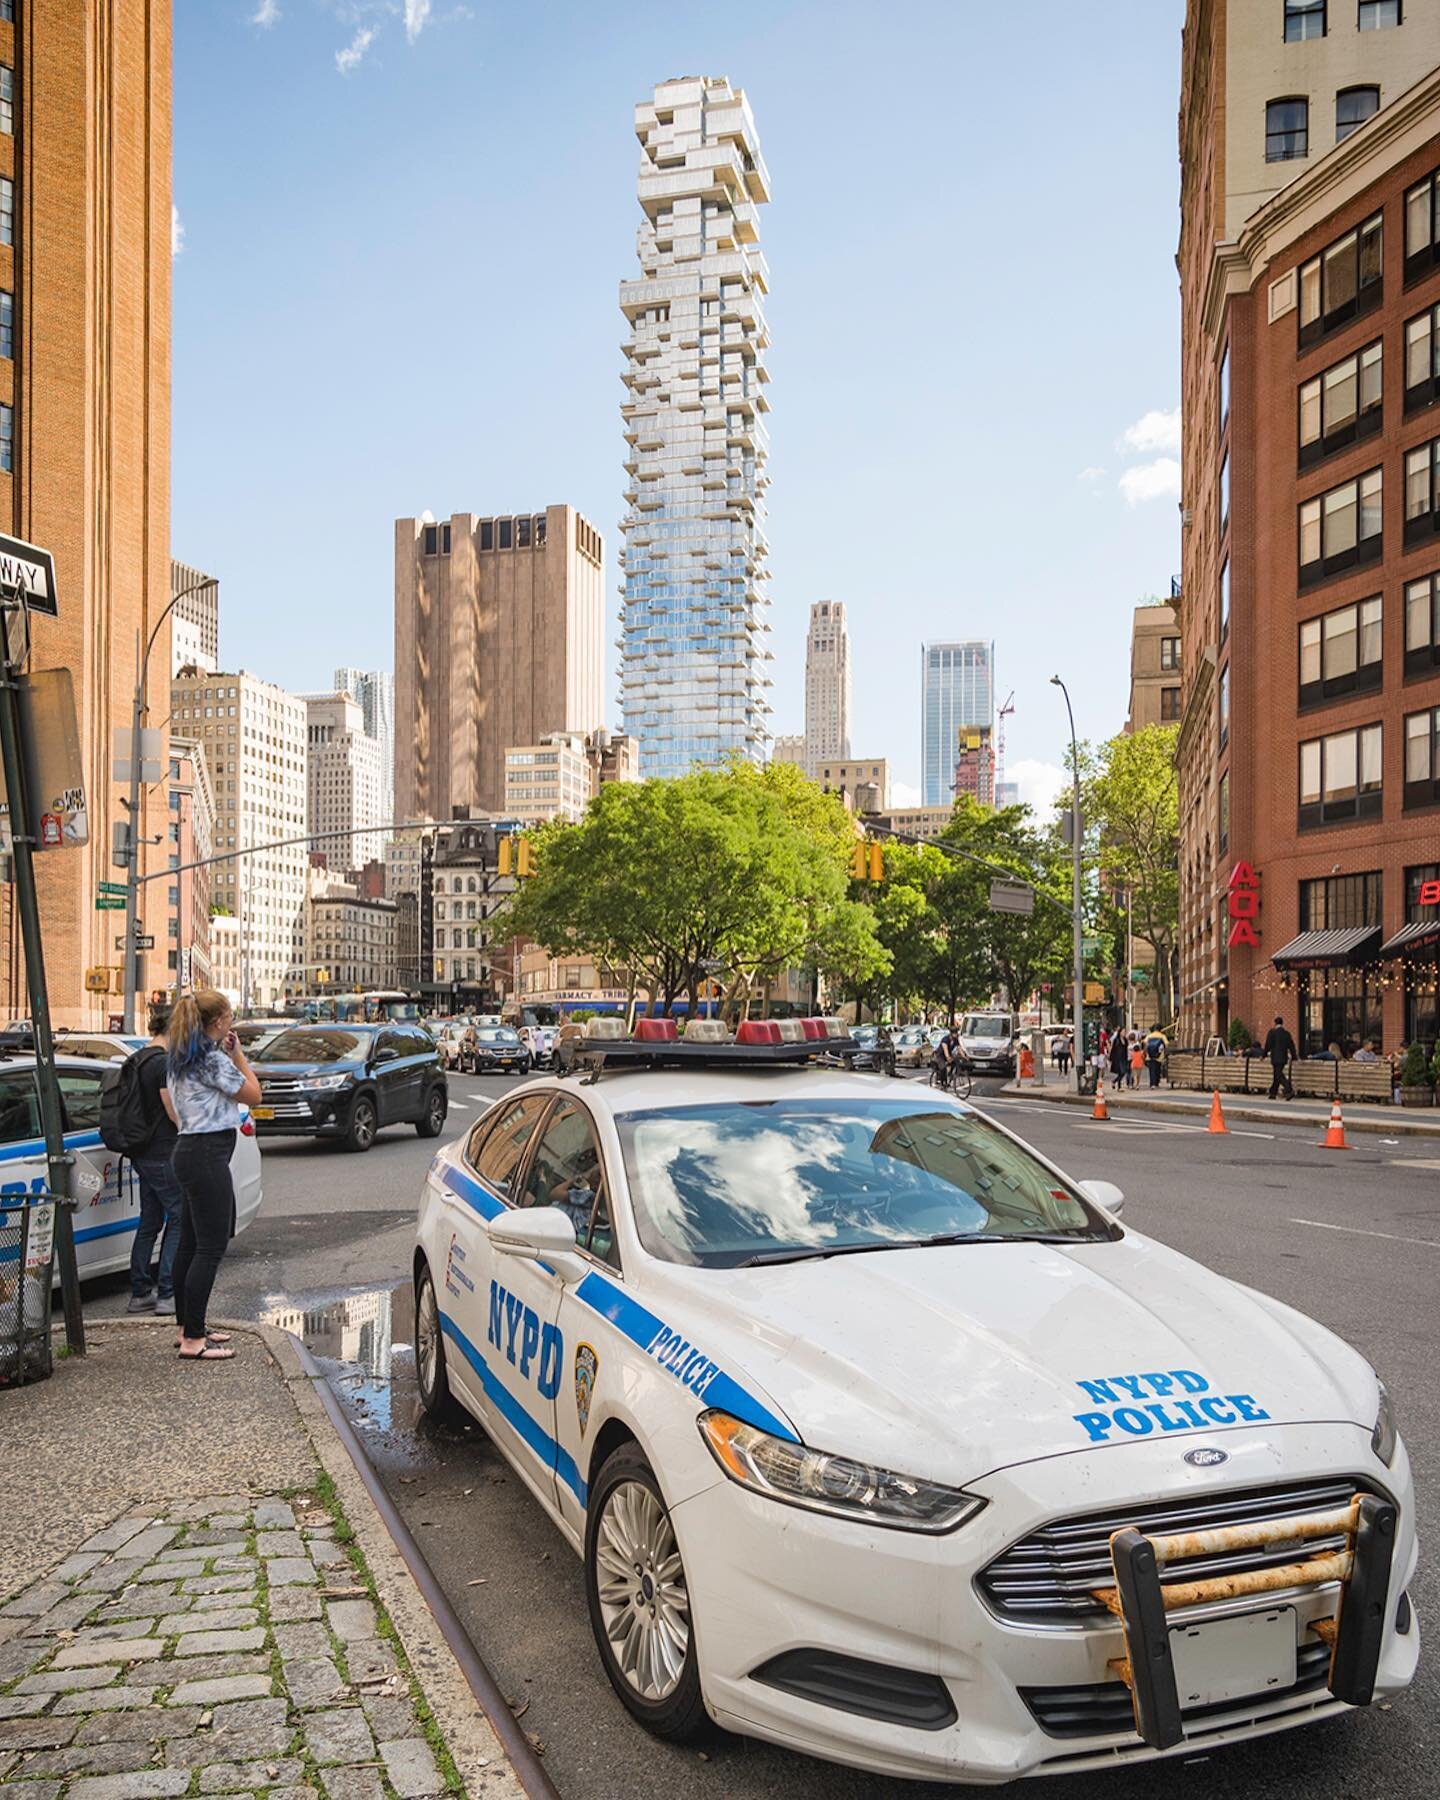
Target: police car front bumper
(777, 1588)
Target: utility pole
(1077, 922)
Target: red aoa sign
(1244, 905)
(1429, 893)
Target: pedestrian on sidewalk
(1119, 1058)
(1155, 1055)
(1062, 1054)
(1137, 1059)
(1280, 1048)
(208, 1082)
(159, 1190)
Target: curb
(1251, 1114)
(493, 1759)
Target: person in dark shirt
(159, 1190)
(1280, 1048)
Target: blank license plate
(262, 1112)
(1231, 1659)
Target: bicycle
(951, 1078)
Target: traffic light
(858, 861)
(321, 977)
(877, 860)
(524, 858)
(507, 855)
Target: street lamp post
(134, 966)
(1076, 922)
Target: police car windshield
(313, 1047)
(758, 1181)
(986, 1025)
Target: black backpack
(124, 1123)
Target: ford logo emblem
(1206, 1459)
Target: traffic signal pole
(57, 1160)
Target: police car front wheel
(639, 1600)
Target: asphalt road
(1353, 1239)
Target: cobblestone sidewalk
(221, 1646)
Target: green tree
(1131, 800)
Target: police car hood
(951, 1362)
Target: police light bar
(658, 1043)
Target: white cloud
(1153, 431)
(177, 231)
(416, 13)
(1158, 480)
(266, 14)
(350, 58)
(1091, 475)
(902, 794)
(1040, 784)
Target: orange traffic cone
(1217, 1114)
(1099, 1111)
(1334, 1138)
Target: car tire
(628, 1523)
(431, 1375)
(362, 1125)
(432, 1121)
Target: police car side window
(19, 1108)
(80, 1090)
(567, 1171)
(497, 1145)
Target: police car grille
(1103, 1707)
(1047, 1577)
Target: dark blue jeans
(202, 1168)
(159, 1211)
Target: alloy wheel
(644, 1602)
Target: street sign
(1012, 897)
(32, 570)
(112, 887)
(109, 903)
(51, 749)
(151, 745)
(145, 943)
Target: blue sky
(401, 225)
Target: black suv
(349, 1081)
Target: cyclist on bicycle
(946, 1058)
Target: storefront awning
(1337, 948)
(1410, 940)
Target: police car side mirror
(539, 1234)
(1106, 1194)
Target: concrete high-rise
(195, 622)
(827, 685)
(499, 640)
(343, 781)
(253, 735)
(85, 153)
(957, 690)
(693, 630)
(374, 689)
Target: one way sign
(32, 571)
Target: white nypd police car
(882, 1438)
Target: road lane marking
(459, 1106)
(1413, 1162)
(1355, 1231)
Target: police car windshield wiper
(926, 1243)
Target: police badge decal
(587, 1364)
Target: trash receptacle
(1088, 1078)
(27, 1271)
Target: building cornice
(1342, 173)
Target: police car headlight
(1385, 1437)
(832, 1484)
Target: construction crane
(1005, 711)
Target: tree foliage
(1131, 800)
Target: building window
(1224, 492)
(1422, 227)
(1422, 625)
(1225, 598)
(1375, 15)
(1353, 106)
(7, 324)
(1304, 19)
(7, 437)
(1343, 281)
(1422, 758)
(506, 533)
(1287, 129)
(487, 534)
(1225, 809)
(1342, 406)
(539, 531)
(1422, 504)
(1169, 705)
(1422, 359)
(522, 534)
(7, 100)
(1169, 653)
(1224, 689)
(1340, 777)
(1224, 387)
(7, 210)
(1340, 653)
(1341, 529)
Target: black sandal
(211, 1353)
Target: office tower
(343, 781)
(827, 685)
(191, 834)
(1309, 605)
(195, 620)
(374, 689)
(558, 777)
(693, 665)
(975, 764)
(499, 628)
(85, 259)
(957, 689)
(1154, 667)
(253, 735)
